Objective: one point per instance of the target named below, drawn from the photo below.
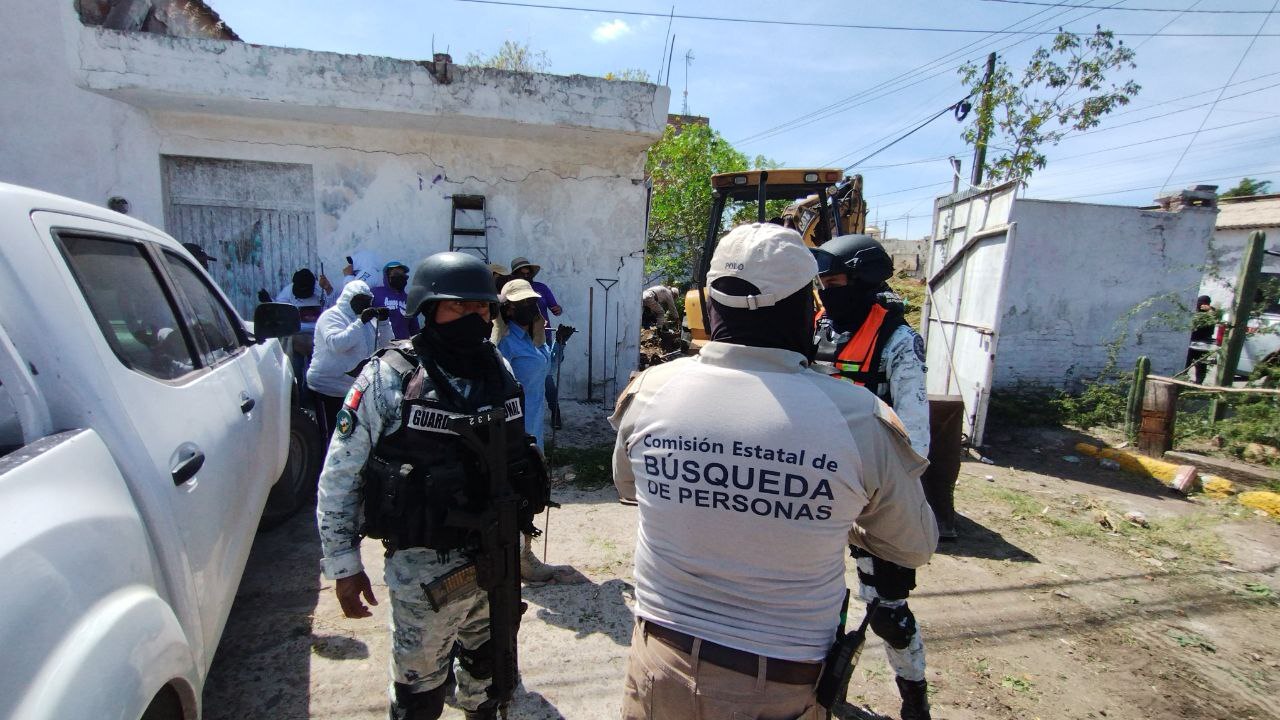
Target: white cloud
(610, 31)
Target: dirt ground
(1051, 605)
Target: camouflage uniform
(902, 362)
(423, 639)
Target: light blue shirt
(530, 364)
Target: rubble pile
(659, 345)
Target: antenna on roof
(688, 60)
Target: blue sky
(750, 78)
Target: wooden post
(1133, 415)
(1246, 286)
(1159, 410)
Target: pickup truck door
(174, 379)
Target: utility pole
(980, 147)
(688, 60)
(955, 174)
(1246, 286)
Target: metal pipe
(591, 337)
(761, 196)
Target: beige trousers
(664, 683)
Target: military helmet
(860, 256)
(450, 276)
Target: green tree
(1063, 88)
(631, 74)
(680, 166)
(512, 56)
(1247, 187)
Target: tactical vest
(422, 477)
(859, 356)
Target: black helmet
(450, 276)
(860, 256)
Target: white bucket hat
(517, 290)
(771, 257)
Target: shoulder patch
(886, 415)
(356, 393)
(918, 345)
(346, 422)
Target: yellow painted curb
(1267, 502)
(1161, 470)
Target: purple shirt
(394, 300)
(547, 300)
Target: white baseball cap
(771, 257)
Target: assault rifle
(497, 567)
(843, 656)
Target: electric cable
(910, 132)
(1214, 104)
(1139, 9)
(846, 26)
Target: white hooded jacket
(342, 341)
(366, 265)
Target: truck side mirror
(274, 320)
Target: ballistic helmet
(450, 276)
(860, 256)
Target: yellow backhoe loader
(820, 198)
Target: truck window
(130, 305)
(213, 325)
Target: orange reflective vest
(856, 356)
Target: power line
(1161, 187)
(836, 107)
(910, 132)
(1137, 9)
(1214, 105)
(1152, 140)
(1167, 114)
(845, 26)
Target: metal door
(256, 218)
(968, 260)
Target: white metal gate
(256, 218)
(968, 259)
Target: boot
(915, 699)
(485, 714)
(532, 569)
(408, 705)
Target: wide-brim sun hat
(521, 262)
(518, 290)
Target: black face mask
(467, 331)
(398, 282)
(524, 314)
(360, 303)
(848, 305)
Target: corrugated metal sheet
(1262, 211)
(256, 218)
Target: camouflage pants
(907, 662)
(422, 639)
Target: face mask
(360, 303)
(848, 305)
(468, 330)
(304, 290)
(398, 282)
(524, 314)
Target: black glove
(564, 332)
(264, 296)
(368, 314)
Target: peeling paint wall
(1085, 281)
(571, 199)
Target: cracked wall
(573, 203)
(1085, 280)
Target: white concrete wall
(1081, 277)
(1222, 268)
(567, 194)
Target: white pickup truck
(142, 424)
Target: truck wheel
(297, 484)
(166, 705)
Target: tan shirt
(752, 473)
